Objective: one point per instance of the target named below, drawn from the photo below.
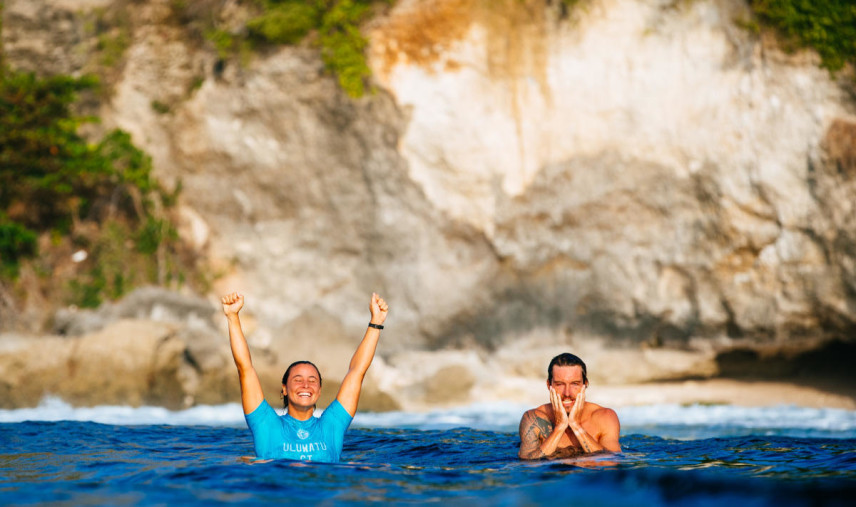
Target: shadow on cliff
(828, 367)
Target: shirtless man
(568, 425)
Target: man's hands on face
(563, 418)
(559, 413)
(577, 409)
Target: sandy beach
(721, 391)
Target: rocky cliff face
(640, 182)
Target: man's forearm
(587, 442)
(551, 443)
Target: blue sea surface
(462, 456)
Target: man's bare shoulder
(538, 416)
(603, 415)
(537, 413)
(606, 428)
(601, 410)
(542, 411)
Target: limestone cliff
(639, 181)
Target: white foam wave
(776, 417)
(710, 420)
(662, 419)
(54, 409)
(482, 416)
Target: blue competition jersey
(284, 437)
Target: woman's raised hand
(232, 303)
(379, 309)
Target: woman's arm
(251, 389)
(349, 392)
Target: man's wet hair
(288, 370)
(566, 359)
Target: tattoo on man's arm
(544, 425)
(531, 436)
(585, 443)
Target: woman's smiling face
(303, 386)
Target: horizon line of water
(664, 420)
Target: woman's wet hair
(288, 370)
(566, 359)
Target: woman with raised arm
(298, 435)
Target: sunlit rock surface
(641, 182)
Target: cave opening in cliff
(828, 366)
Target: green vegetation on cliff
(337, 23)
(827, 26)
(332, 25)
(98, 198)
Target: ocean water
(673, 455)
